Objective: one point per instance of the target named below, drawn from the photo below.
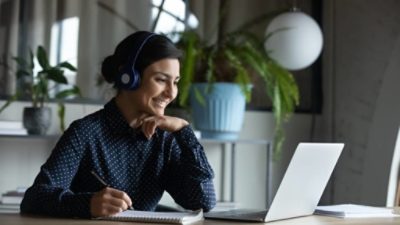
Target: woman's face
(158, 87)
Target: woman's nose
(171, 90)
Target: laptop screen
(305, 180)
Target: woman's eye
(161, 80)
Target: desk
(17, 219)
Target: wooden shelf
(46, 137)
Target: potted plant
(235, 58)
(36, 88)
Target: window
(172, 17)
(64, 47)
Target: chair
(393, 196)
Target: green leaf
(199, 97)
(23, 73)
(21, 62)
(210, 66)
(279, 138)
(42, 58)
(68, 92)
(188, 66)
(56, 75)
(242, 75)
(67, 65)
(31, 62)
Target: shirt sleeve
(50, 193)
(190, 176)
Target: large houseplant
(237, 57)
(36, 88)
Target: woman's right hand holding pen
(109, 201)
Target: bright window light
(172, 18)
(64, 46)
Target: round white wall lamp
(295, 40)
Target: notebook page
(161, 217)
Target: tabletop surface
(17, 219)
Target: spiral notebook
(157, 217)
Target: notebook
(300, 189)
(157, 217)
(354, 211)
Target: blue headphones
(129, 78)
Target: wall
(21, 158)
(361, 72)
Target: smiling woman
(130, 144)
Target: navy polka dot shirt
(105, 143)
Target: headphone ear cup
(135, 80)
(125, 79)
(129, 80)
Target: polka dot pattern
(105, 143)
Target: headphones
(129, 77)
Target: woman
(129, 145)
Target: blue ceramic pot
(221, 116)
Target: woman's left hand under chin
(149, 123)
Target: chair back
(393, 196)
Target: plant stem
(222, 12)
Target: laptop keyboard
(239, 213)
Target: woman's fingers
(149, 124)
(120, 195)
(149, 127)
(109, 210)
(137, 122)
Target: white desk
(17, 219)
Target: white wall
(21, 158)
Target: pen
(104, 183)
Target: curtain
(103, 24)
(100, 30)
(8, 45)
(24, 25)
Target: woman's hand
(149, 124)
(109, 201)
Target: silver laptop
(301, 188)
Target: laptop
(301, 188)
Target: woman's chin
(159, 112)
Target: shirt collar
(115, 119)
